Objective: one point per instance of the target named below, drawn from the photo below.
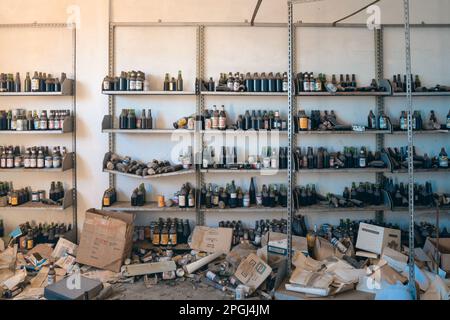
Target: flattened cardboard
(212, 240)
(64, 246)
(106, 239)
(253, 271)
(373, 238)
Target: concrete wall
(160, 50)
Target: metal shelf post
(412, 282)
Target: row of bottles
(164, 233)
(399, 159)
(423, 194)
(418, 124)
(172, 84)
(232, 196)
(349, 158)
(400, 86)
(356, 196)
(34, 234)
(127, 81)
(242, 234)
(114, 162)
(308, 82)
(128, 120)
(272, 82)
(22, 120)
(184, 198)
(270, 158)
(17, 197)
(40, 82)
(32, 157)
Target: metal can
(240, 292)
(35, 197)
(41, 194)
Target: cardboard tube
(194, 266)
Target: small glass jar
(48, 162)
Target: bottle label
(362, 162)
(106, 85)
(33, 163)
(306, 86)
(10, 163)
(208, 124)
(132, 85)
(215, 123)
(156, 239)
(40, 163)
(443, 162)
(35, 85)
(164, 239)
(382, 123)
(304, 123)
(14, 201)
(173, 239)
(106, 202)
(182, 201)
(222, 123)
(139, 85)
(285, 86)
(233, 195)
(191, 202)
(274, 164)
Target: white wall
(159, 50)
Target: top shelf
(149, 93)
(66, 90)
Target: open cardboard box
(441, 254)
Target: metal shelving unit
(68, 89)
(379, 63)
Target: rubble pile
(242, 263)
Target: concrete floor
(167, 290)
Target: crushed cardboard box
(253, 271)
(439, 255)
(212, 240)
(374, 238)
(106, 240)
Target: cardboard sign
(212, 240)
(253, 271)
(374, 239)
(106, 239)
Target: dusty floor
(167, 290)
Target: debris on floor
(110, 265)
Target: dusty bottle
(180, 81)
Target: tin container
(41, 194)
(35, 197)
(240, 292)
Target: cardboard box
(253, 271)
(441, 255)
(106, 239)
(85, 289)
(212, 240)
(374, 239)
(277, 243)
